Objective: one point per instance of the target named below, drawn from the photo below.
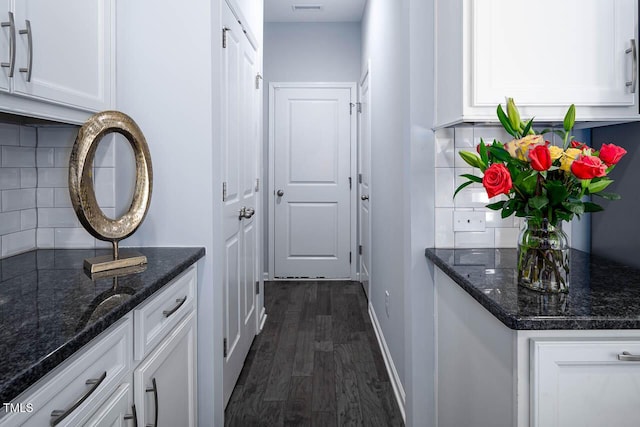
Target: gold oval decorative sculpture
(83, 197)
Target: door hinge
(258, 78)
(359, 104)
(224, 37)
(224, 345)
(349, 183)
(351, 105)
(224, 191)
(257, 288)
(349, 257)
(257, 184)
(360, 250)
(360, 178)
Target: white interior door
(312, 134)
(240, 145)
(364, 178)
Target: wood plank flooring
(316, 363)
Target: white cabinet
(117, 411)
(544, 54)
(491, 376)
(61, 53)
(582, 382)
(165, 382)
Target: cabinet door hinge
(257, 184)
(359, 104)
(360, 250)
(224, 191)
(349, 257)
(258, 78)
(224, 37)
(349, 183)
(351, 105)
(257, 288)
(224, 347)
(360, 178)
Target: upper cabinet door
(551, 52)
(65, 52)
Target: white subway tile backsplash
(16, 243)
(70, 238)
(18, 157)
(53, 177)
(9, 222)
(495, 220)
(445, 181)
(105, 154)
(57, 136)
(61, 157)
(471, 197)
(9, 178)
(57, 218)
(28, 219)
(488, 134)
(45, 197)
(15, 200)
(45, 157)
(103, 186)
(444, 228)
(28, 178)
(9, 134)
(464, 137)
(445, 148)
(45, 238)
(506, 237)
(475, 239)
(28, 136)
(61, 198)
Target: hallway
(316, 363)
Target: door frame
(353, 206)
(366, 75)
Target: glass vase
(543, 256)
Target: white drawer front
(108, 357)
(115, 412)
(158, 316)
(584, 382)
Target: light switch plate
(469, 221)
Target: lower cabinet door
(165, 382)
(117, 411)
(585, 383)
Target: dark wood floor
(316, 363)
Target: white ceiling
(331, 11)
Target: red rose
(540, 158)
(497, 180)
(578, 145)
(588, 167)
(611, 153)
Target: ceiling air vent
(304, 7)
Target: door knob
(280, 193)
(248, 212)
(364, 197)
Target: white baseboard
(398, 390)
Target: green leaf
(564, 215)
(570, 118)
(504, 120)
(560, 133)
(508, 209)
(543, 131)
(557, 192)
(466, 184)
(526, 181)
(471, 177)
(527, 128)
(538, 202)
(575, 207)
(497, 205)
(592, 207)
(483, 153)
(499, 153)
(600, 185)
(471, 159)
(514, 116)
(608, 196)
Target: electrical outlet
(387, 301)
(469, 221)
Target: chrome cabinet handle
(179, 301)
(628, 357)
(634, 66)
(280, 193)
(364, 197)
(29, 68)
(11, 65)
(58, 415)
(133, 416)
(248, 212)
(154, 390)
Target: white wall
(385, 43)
(305, 52)
(168, 71)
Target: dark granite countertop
(602, 294)
(49, 306)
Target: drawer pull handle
(154, 390)
(634, 66)
(179, 301)
(29, 68)
(58, 415)
(628, 357)
(133, 416)
(11, 65)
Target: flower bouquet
(545, 184)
